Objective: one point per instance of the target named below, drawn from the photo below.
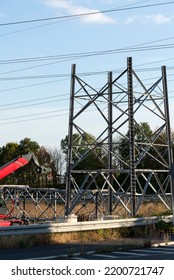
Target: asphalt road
(45, 251)
(93, 251)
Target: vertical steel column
(110, 147)
(70, 138)
(168, 132)
(131, 137)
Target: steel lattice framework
(131, 163)
(34, 204)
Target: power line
(35, 77)
(32, 85)
(35, 27)
(123, 50)
(68, 57)
(31, 115)
(92, 53)
(39, 118)
(35, 104)
(33, 100)
(86, 14)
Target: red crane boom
(19, 162)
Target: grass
(92, 237)
(108, 239)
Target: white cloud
(74, 7)
(157, 19)
(131, 19)
(146, 19)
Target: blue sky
(37, 106)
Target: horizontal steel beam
(80, 226)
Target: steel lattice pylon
(128, 168)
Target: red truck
(6, 218)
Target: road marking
(48, 257)
(166, 248)
(76, 258)
(105, 256)
(129, 253)
(154, 251)
(61, 256)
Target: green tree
(27, 145)
(8, 152)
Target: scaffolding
(130, 162)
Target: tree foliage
(86, 152)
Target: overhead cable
(86, 14)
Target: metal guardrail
(80, 226)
